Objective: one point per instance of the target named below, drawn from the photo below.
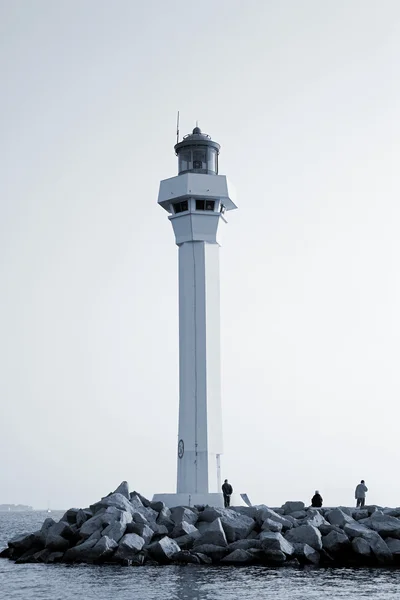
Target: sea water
(186, 582)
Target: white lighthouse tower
(197, 199)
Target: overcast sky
(303, 96)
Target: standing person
(360, 494)
(227, 491)
(316, 500)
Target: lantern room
(197, 153)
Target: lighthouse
(197, 200)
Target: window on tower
(181, 206)
(205, 205)
(185, 159)
(199, 159)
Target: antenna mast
(177, 128)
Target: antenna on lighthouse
(177, 128)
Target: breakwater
(126, 528)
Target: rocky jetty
(127, 529)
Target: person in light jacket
(360, 494)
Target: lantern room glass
(198, 159)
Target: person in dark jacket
(316, 500)
(227, 491)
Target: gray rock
(355, 529)
(157, 506)
(244, 545)
(27, 541)
(338, 517)
(115, 531)
(273, 557)
(54, 557)
(104, 519)
(160, 530)
(144, 531)
(393, 545)
(214, 535)
(325, 529)
(139, 518)
(186, 557)
(291, 507)
(61, 528)
(236, 525)
(163, 550)
(238, 557)
(102, 550)
(80, 553)
(182, 513)
(186, 542)
(70, 516)
(314, 517)
(47, 523)
(379, 548)
(130, 545)
(182, 528)
(360, 514)
(335, 542)
(298, 514)
(249, 511)
(204, 559)
(82, 516)
(145, 501)
(305, 534)
(275, 542)
(385, 525)
(216, 553)
(114, 500)
(123, 489)
(164, 518)
(271, 525)
(56, 543)
(361, 546)
(306, 554)
(268, 513)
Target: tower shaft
(200, 418)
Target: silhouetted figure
(227, 491)
(316, 500)
(360, 494)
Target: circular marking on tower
(181, 448)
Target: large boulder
(335, 542)
(144, 531)
(305, 554)
(80, 553)
(271, 525)
(70, 516)
(271, 541)
(314, 517)
(380, 549)
(123, 489)
(82, 516)
(359, 514)
(102, 550)
(355, 529)
(267, 513)
(244, 545)
(183, 513)
(338, 517)
(236, 525)
(61, 528)
(361, 547)
(386, 525)
(394, 545)
(56, 543)
(183, 528)
(26, 542)
(216, 553)
(185, 542)
(214, 535)
(105, 518)
(116, 530)
(186, 557)
(114, 500)
(163, 550)
(130, 545)
(145, 501)
(305, 534)
(291, 507)
(238, 557)
(164, 518)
